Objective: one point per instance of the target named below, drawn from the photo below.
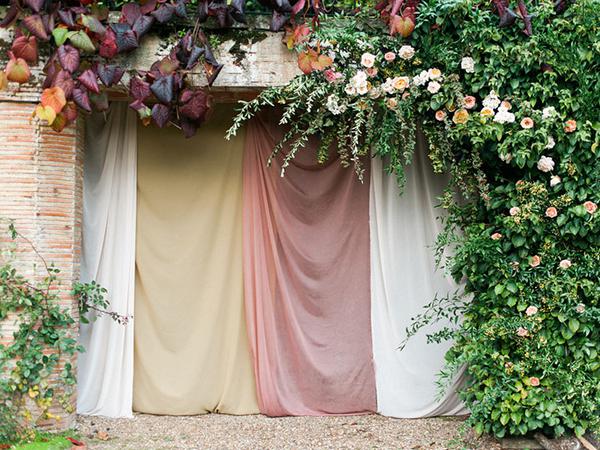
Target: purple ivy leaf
(148, 7)
(194, 104)
(195, 55)
(108, 45)
(139, 89)
(278, 20)
(125, 37)
(89, 80)
(99, 101)
(142, 25)
(189, 127)
(161, 114)
(162, 88)
(68, 57)
(66, 17)
(130, 12)
(11, 15)
(180, 9)
(164, 13)
(64, 80)
(236, 10)
(35, 5)
(48, 20)
(109, 74)
(82, 99)
(36, 26)
(202, 11)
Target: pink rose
(389, 56)
(372, 71)
(570, 126)
(531, 310)
(332, 76)
(590, 207)
(496, 236)
(535, 261)
(522, 332)
(534, 381)
(551, 212)
(440, 115)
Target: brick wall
(41, 182)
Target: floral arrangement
(511, 117)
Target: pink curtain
(306, 281)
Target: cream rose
(406, 52)
(367, 60)
(545, 164)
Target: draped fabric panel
(105, 370)
(306, 281)
(192, 353)
(403, 280)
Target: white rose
(551, 143)
(467, 64)
(367, 60)
(545, 164)
(359, 78)
(362, 88)
(554, 180)
(433, 87)
(548, 112)
(491, 101)
(350, 89)
(514, 210)
(504, 116)
(565, 264)
(421, 79)
(388, 86)
(406, 52)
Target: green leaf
(518, 241)
(499, 289)
(82, 41)
(573, 325)
(60, 35)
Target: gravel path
(216, 431)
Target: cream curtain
(192, 354)
(403, 280)
(105, 370)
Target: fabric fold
(192, 354)
(404, 279)
(306, 280)
(105, 369)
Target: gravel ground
(219, 431)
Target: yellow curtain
(191, 348)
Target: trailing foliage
(513, 116)
(41, 346)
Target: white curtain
(403, 280)
(105, 369)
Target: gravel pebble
(220, 431)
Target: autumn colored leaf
(46, 113)
(139, 89)
(130, 12)
(82, 99)
(17, 70)
(68, 56)
(194, 104)
(64, 80)
(144, 113)
(297, 36)
(70, 111)
(305, 60)
(54, 97)
(161, 114)
(11, 15)
(35, 25)
(35, 5)
(89, 80)
(59, 123)
(3, 81)
(66, 17)
(403, 26)
(26, 48)
(322, 62)
(147, 6)
(99, 101)
(92, 24)
(108, 45)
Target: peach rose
(535, 261)
(367, 60)
(434, 73)
(534, 381)
(551, 212)
(460, 116)
(522, 332)
(469, 102)
(372, 71)
(531, 310)
(389, 56)
(487, 112)
(401, 83)
(391, 103)
(527, 123)
(570, 126)
(505, 105)
(590, 207)
(496, 236)
(440, 115)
